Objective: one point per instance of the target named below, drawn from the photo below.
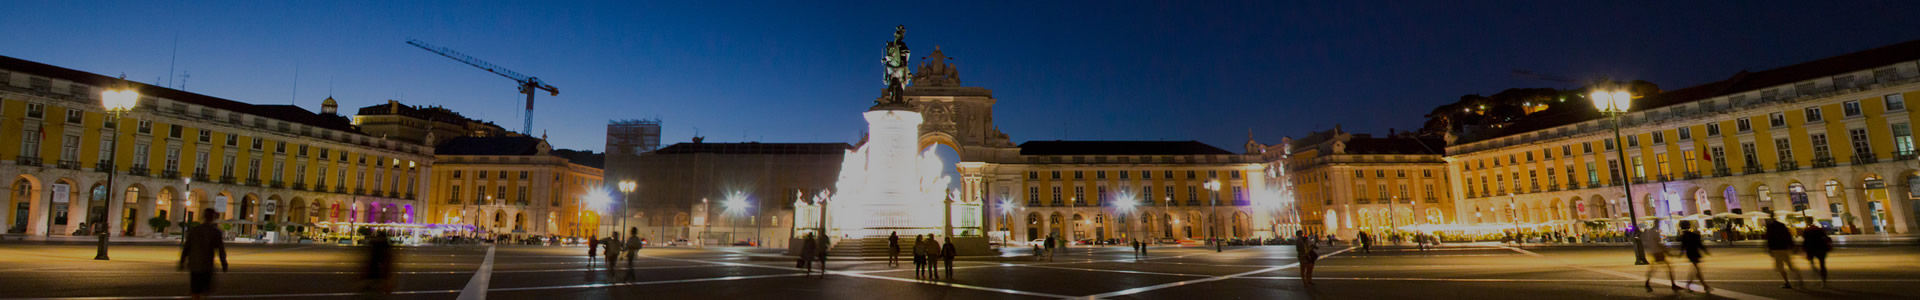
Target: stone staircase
(865, 247)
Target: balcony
(200, 176)
(103, 166)
(1903, 155)
(1784, 166)
(1865, 158)
(1593, 183)
(320, 187)
(456, 201)
(1362, 201)
(1432, 200)
(253, 181)
(1639, 179)
(1573, 185)
(139, 170)
(1664, 177)
(276, 184)
(1536, 188)
(1690, 175)
(226, 179)
(67, 164)
(410, 196)
(340, 189)
(1722, 172)
(170, 174)
(1553, 187)
(376, 193)
(359, 191)
(300, 186)
(393, 194)
(1752, 169)
(27, 160)
(1823, 162)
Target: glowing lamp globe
(120, 100)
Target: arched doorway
(520, 222)
(1242, 225)
(1033, 225)
(1874, 193)
(1797, 196)
(1078, 227)
(20, 203)
(130, 212)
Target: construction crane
(528, 84)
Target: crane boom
(527, 83)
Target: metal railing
(276, 184)
(26, 160)
(1823, 162)
(1865, 158)
(226, 179)
(1786, 165)
(103, 166)
(170, 174)
(1903, 155)
(139, 170)
(253, 181)
(1752, 169)
(1722, 172)
(1690, 175)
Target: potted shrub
(159, 225)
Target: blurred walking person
(593, 251)
(1816, 243)
(1657, 254)
(821, 255)
(807, 246)
(634, 243)
(378, 272)
(1050, 242)
(948, 253)
(197, 252)
(613, 251)
(1780, 246)
(1366, 242)
(1694, 246)
(893, 249)
(1307, 253)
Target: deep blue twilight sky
(793, 71)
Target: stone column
(1900, 208)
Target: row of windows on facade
(1360, 194)
(498, 198)
(1783, 161)
(1168, 174)
(76, 116)
(1146, 193)
(175, 132)
(1396, 173)
(71, 144)
(457, 174)
(1850, 109)
(1141, 159)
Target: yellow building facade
(513, 185)
(179, 152)
(1348, 183)
(1829, 140)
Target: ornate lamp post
(117, 102)
(1214, 215)
(1613, 104)
(626, 193)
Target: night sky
(792, 71)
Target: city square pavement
(52, 269)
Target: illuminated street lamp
(117, 102)
(626, 194)
(1214, 218)
(736, 204)
(1613, 104)
(1126, 205)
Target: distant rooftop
(1119, 148)
(492, 145)
(756, 148)
(287, 113)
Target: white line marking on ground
(477, 288)
(1696, 288)
(1202, 280)
(1116, 271)
(869, 276)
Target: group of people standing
(614, 247)
(927, 255)
(814, 249)
(1780, 247)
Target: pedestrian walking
(1050, 242)
(1136, 249)
(1657, 255)
(378, 270)
(1366, 242)
(821, 253)
(593, 251)
(1816, 243)
(203, 243)
(1143, 249)
(807, 246)
(893, 246)
(612, 252)
(948, 253)
(1726, 233)
(634, 243)
(1307, 253)
(933, 257)
(1780, 246)
(1694, 246)
(1038, 254)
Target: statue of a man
(895, 63)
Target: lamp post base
(101, 254)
